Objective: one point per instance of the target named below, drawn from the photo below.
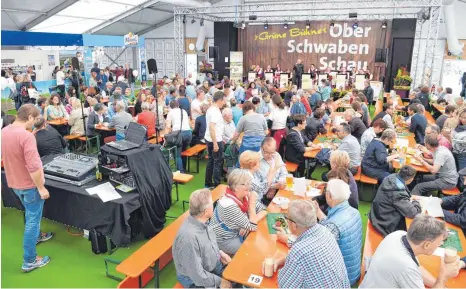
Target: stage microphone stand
(156, 108)
(82, 108)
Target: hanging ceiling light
(184, 19)
(193, 21)
(308, 24)
(285, 25)
(355, 25)
(384, 25)
(243, 25)
(202, 22)
(332, 23)
(266, 26)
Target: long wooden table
(258, 246)
(432, 263)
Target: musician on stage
(276, 77)
(298, 70)
(259, 72)
(313, 71)
(269, 69)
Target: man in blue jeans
(24, 174)
(214, 140)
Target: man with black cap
(457, 204)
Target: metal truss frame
(425, 11)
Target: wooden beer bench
(194, 151)
(145, 263)
(373, 239)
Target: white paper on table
(439, 252)
(402, 142)
(313, 192)
(105, 191)
(338, 120)
(432, 206)
(299, 186)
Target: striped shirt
(232, 217)
(314, 261)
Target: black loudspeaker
(213, 52)
(152, 66)
(380, 55)
(75, 63)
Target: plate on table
(280, 200)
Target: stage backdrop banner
(320, 44)
(236, 65)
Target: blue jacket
(418, 127)
(374, 163)
(348, 221)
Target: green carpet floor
(73, 265)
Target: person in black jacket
(96, 117)
(368, 92)
(357, 126)
(295, 147)
(49, 141)
(314, 126)
(393, 202)
(381, 114)
(418, 122)
(424, 97)
(200, 127)
(457, 204)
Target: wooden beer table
(432, 263)
(258, 246)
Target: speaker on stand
(152, 68)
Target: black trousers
(213, 175)
(299, 81)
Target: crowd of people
(256, 130)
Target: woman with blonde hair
(76, 117)
(250, 161)
(237, 212)
(340, 162)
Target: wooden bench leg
(198, 158)
(184, 203)
(188, 166)
(156, 275)
(177, 193)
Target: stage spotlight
(308, 24)
(285, 25)
(332, 23)
(243, 25)
(193, 21)
(202, 22)
(384, 25)
(266, 26)
(184, 19)
(355, 25)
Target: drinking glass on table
(289, 181)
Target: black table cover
(72, 205)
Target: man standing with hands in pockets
(25, 175)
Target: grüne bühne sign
(321, 44)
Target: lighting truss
(327, 10)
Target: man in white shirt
(268, 154)
(229, 94)
(395, 263)
(214, 141)
(61, 82)
(388, 117)
(196, 104)
(229, 126)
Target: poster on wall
(323, 45)
(306, 81)
(359, 83)
(451, 74)
(269, 76)
(236, 65)
(51, 60)
(251, 76)
(284, 79)
(377, 86)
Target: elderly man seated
(198, 260)
(120, 120)
(393, 203)
(395, 263)
(269, 155)
(442, 168)
(314, 260)
(229, 127)
(345, 223)
(350, 145)
(354, 120)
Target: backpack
(24, 94)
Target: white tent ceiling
(108, 17)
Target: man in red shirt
(25, 175)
